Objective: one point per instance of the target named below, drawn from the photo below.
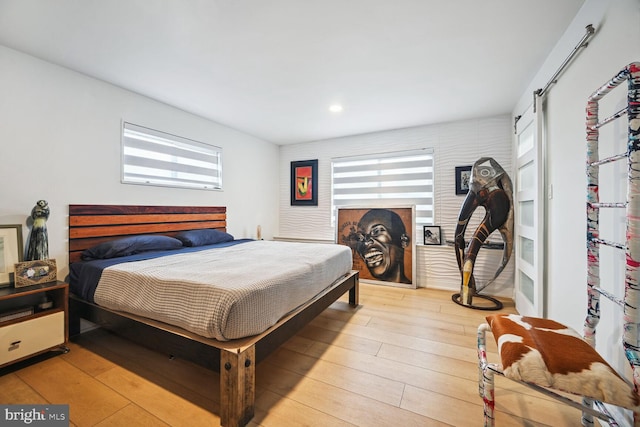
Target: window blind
(153, 157)
(386, 180)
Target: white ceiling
(271, 68)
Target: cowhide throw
(553, 355)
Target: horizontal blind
(386, 180)
(153, 157)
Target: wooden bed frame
(235, 360)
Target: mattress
(225, 292)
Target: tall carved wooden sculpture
(489, 187)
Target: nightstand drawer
(31, 336)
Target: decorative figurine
(491, 188)
(39, 239)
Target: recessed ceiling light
(335, 108)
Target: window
(151, 157)
(388, 179)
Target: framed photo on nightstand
(11, 250)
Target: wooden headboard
(90, 225)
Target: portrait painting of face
(381, 240)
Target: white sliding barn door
(529, 212)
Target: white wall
(614, 45)
(60, 141)
(455, 144)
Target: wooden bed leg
(74, 319)
(354, 293)
(237, 387)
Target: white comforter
(224, 293)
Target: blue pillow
(131, 245)
(205, 236)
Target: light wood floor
(404, 358)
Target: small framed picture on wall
(432, 235)
(463, 176)
(304, 183)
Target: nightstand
(33, 320)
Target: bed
(227, 351)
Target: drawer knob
(14, 345)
